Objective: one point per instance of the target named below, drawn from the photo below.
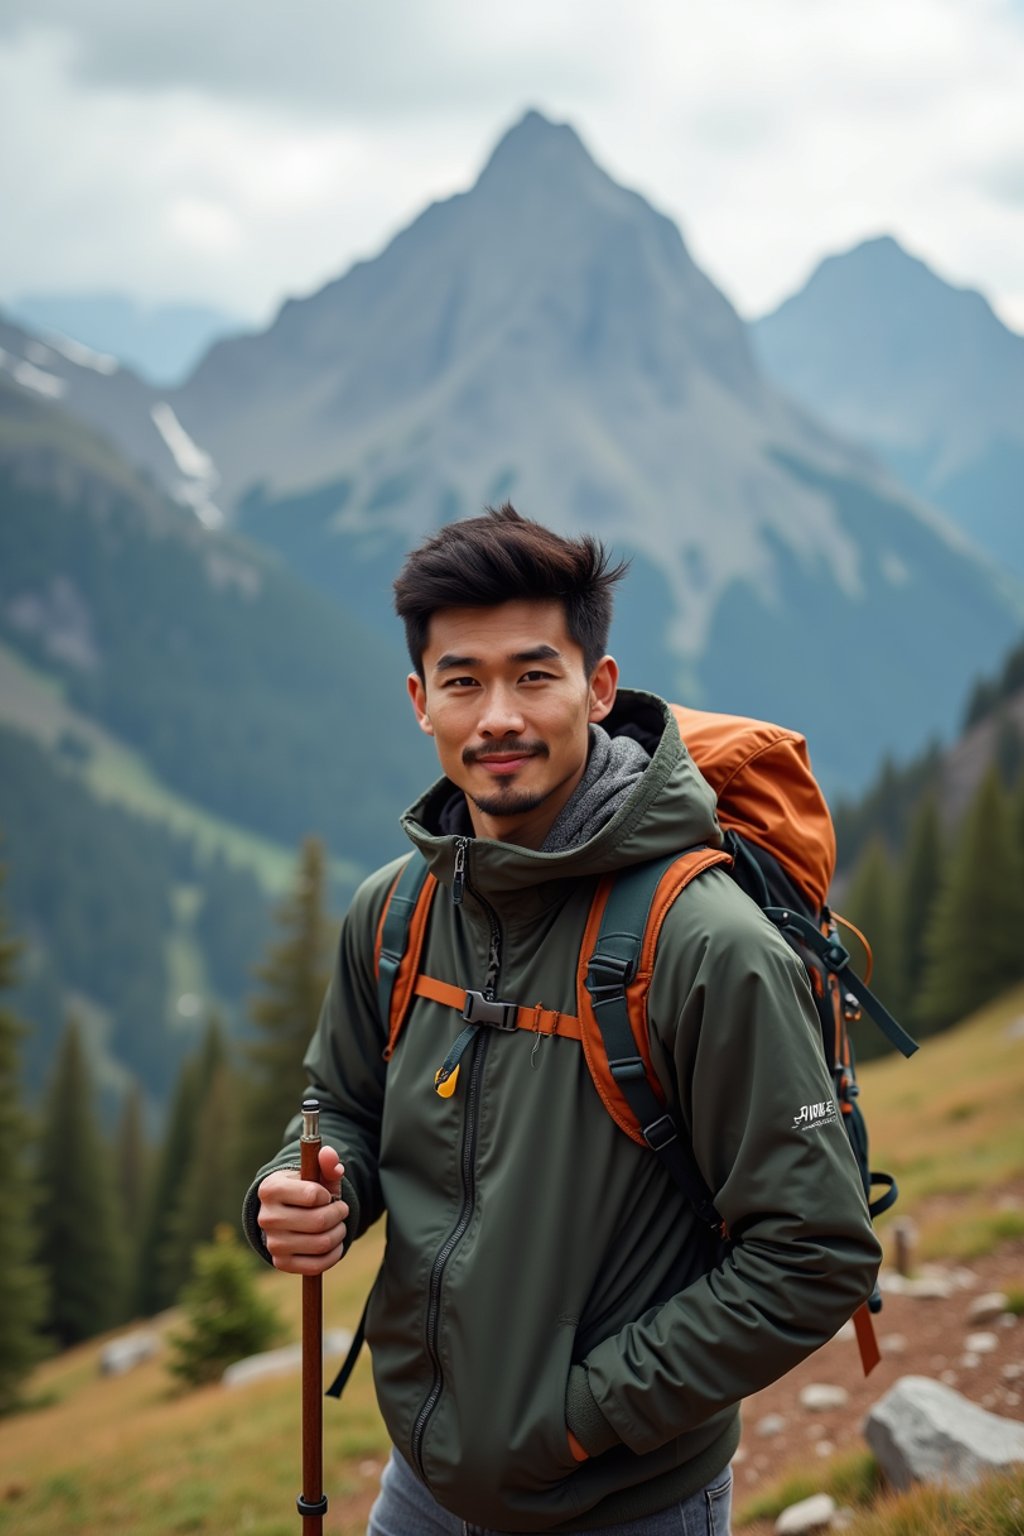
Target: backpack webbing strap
(837, 960)
(475, 1008)
(613, 965)
(403, 905)
(867, 1343)
(348, 1365)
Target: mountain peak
(536, 145)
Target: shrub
(225, 1316)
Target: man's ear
(418, 697)
(603, 687)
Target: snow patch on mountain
(200, 477)
(76, 352)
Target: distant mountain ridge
(161, 342)
(922, 372)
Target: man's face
(508, 704)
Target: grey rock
(130, 1350)
(923, 1431)
(921, 1287)
(981, 1343)
(280, 1362)
(987, 1308)
(814, 1514)
(771, 1424)
(893, 1344)
(819, 1397)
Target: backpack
(779, 847)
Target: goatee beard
(509, 802)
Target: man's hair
(498, 558)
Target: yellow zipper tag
(446, 1086)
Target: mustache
(504, 749)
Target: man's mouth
(502, 764)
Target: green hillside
(242, 689)
(123, 918)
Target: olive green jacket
(542, 1272)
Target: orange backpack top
(780, 848)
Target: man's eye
(461, 682)
(536, 677)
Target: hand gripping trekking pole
(312, 1502)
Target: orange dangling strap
(867, 1343)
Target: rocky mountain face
(924, 373)
(546, 337)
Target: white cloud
(236, 153)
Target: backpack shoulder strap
(399, 944)
(614, 977)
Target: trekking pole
(312, 1502)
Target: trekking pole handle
(312, 1502)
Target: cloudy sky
(241, 151)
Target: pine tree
(920, 887)
(81, 1243)
(973, 944)
(294, 977)
(22, 1283)
(131, 1167)
(872, 903)
(225, 1317)
(153, 1291)
(209, 1193)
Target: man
(558, 1343)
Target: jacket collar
(671, 808)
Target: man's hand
(303, 1223)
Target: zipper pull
(459, 881)
(446, 1078)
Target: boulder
(280, 1362)
(770, 1424)
(128, 1351)
(819, 1397)
(815, 1514)
(987, 1308)
(923, 1432)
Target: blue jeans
(405, 1508)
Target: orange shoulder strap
(399, 945)
(614, 977)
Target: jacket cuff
(584, 1417)
(251, 1209)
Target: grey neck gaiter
(613, 767)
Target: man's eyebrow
(537, 653)
(450, 661)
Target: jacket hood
(672, 807)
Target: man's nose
(502, 715)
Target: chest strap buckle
(479, 1010)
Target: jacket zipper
(470, 1130)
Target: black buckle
(627, 1069)
(480, 1010)
(608, 976)
(660, 1133)
(835, 956)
